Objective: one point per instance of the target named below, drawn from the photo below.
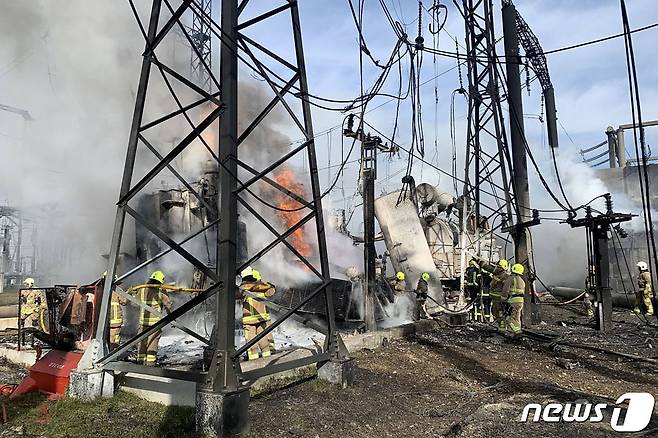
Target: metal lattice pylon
(225, 372)
(202, 39)
(486, 161)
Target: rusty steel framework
(484, 163)
(224, 373)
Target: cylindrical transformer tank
(405, 240)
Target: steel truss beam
(224, 373)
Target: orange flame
(287, 178)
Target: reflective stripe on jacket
(254, 311)
(514, 289)
(472, 276)
(152, 296)
(116, 311)
(644, 281)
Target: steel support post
(221, 403)
(115, 248)
(522, 249)
(599, 233)
(330, 341)
(368, 176)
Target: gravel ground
(470, 382)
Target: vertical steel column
(520, 167)
(368, 176)
(599, 233)
(315, 181)
(223, 372)
(120, 218)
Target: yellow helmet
(473, 262)
(256, 275)
(28, 282)
(158, 276)
(503, 263)
(425, 276)
(400, 275)
(518, 268)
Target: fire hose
(562, 303)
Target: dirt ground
(470, 382)
(463, 381)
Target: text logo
(638, 413)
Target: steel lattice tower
(485, 173)
(202, 39)
(223, 392)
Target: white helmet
(642, 266)
(246, 272)
(28, 282)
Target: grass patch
(122, 416)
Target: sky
(74, 65)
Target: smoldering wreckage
(172, 321)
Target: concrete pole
(621, 148)
(522, 248)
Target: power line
(600, 40)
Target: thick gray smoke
(560, 252)
(74, 66)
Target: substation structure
(222, 389)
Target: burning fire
(287, 178)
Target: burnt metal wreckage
(222, 390)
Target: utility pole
(369, 146)
(597, 228)
(522, 247)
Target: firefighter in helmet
(644, 292)
(152, 295)
(499, 273)
(255, 317)
(117, 303)
(513, 291)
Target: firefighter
(644, 293)
(398, 284)
(499, 274)
(153, 296)
(472, 283)
(421, 295)
(117, 302)
(30, 304)
(255, 317)
(512, 291)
